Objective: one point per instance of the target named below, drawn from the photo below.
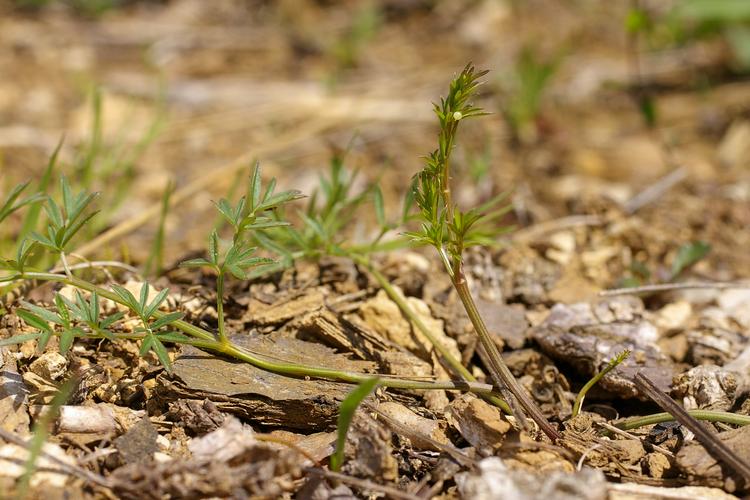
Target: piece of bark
(368, 449)
(383, 315)
(352, 336)
(695, 462)
(199, 417)
(588, 336)
(284, 309)
(319, 445)
(262, 396)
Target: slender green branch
(65, 266)
(396, 297)
(596, 378)
(205, 340)
(707, 415)
(299, 370)
(220, 307)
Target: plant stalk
(707, 415)
(220, 307)
(499, 371)
(449, 359)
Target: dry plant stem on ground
(450, 230)
(709, 440)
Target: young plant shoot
(451, 230)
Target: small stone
(563, 245)
(706, 387)
(481, 424)
(50, 365)
(505, 322)
(139, 444)
(422, 426)
(163, 443)
(658, 465)
(673, 316)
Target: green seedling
(31, 221)
(614, 362)
(64, 222)
(237, 260)
(256, 212)
(450, 230)
(525, 89)
(687, 256)
(111, 162)
(152, 329)
(252, 213)
(347, 50)
(346, 413)
(12, 204)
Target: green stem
(220, 307)
(206, 340)
(708, 415)
(406, 309)
(499, 371)
(299, 370)
(64, 261)
(596, 378)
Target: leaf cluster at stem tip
(66, 221)
(254, 212)
(444, 225)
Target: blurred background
(592, 103)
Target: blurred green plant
(365, 23)
(692, 20)
(91, 8)
(727, 18)
(687, 256)
(155, 261)
(524, 90)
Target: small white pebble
(163, 443)
(162, 457)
